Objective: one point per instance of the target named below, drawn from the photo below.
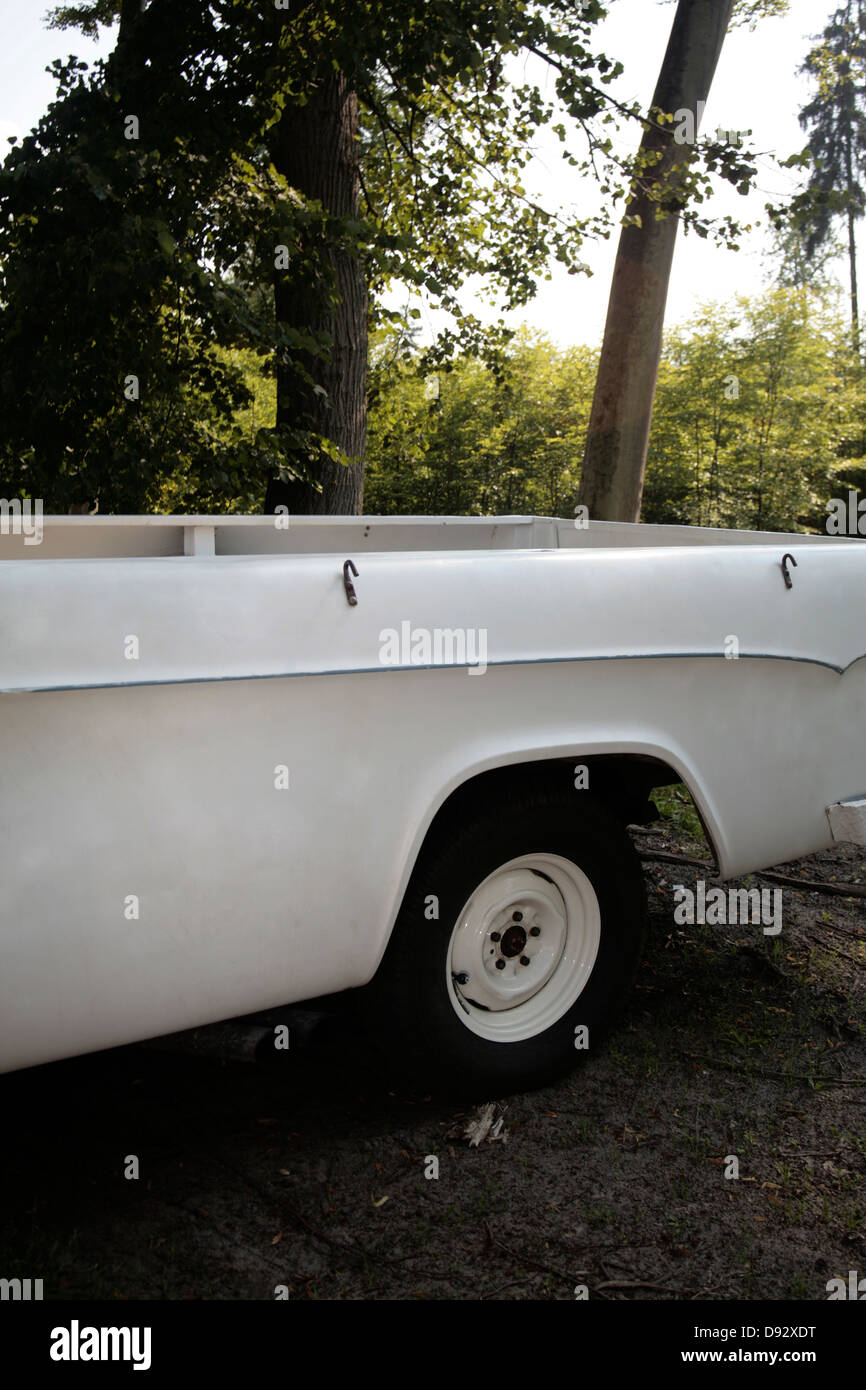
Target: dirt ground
(313, 1176)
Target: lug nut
(500, 964)
(524, 960)
(535, 931)
(495, 936)
(517, 916)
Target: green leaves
(95, 290)
(757, 415)
(500, 432)
(164, 239)
(753, 405)
(835, 118)
(155, 257)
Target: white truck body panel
(148, 783)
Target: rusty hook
(347, 583)
(789, 583)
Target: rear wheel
(515, 945)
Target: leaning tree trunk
(852, 247)
(618, 435)
(323, 291)
(852, 265)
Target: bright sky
(756, 87)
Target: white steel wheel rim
(539, 915)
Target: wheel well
(622, 781)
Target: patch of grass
(678, 1227)
(796, 1209)
(678, 814)
(697, 1146)
(588, 1128)
(599, 1215)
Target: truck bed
(93, 537)
(220, 773)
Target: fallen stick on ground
(842, 890)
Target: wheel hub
(510, 938)
(513, 941)
(523, 947)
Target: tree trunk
(852, 247)
(852, 261)
(323, 291)
(611, 482)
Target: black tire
(425, 1022)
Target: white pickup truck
(251, 760)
